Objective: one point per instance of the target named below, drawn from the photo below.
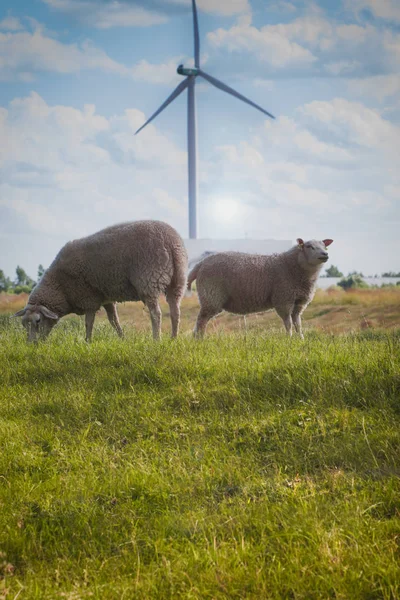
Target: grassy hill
(244, 466)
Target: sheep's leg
(287, 321)
(89, 320)
(285, 314)
(112, 314)
(155, 315)
(202, 319)
(296, 318)
(175, 312)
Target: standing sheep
(126, 262)
(247, 283)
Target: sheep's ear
(20, 313)
(327, 242)
(300, 242)
(48, 313)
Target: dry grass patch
(332, 310)
(11, 303)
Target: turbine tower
(189, 84)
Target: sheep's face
(38, 321)
(314, 252)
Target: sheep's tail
(179, 261)
(192, 275)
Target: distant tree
(40, 272)
(5, 282)
(333, 272)
(23, 283)
(390, 274)
(358, 273)
(21, 276)
(354, 280)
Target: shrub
(333, 271)
(22, 289)
(5, 282)
(353, 282)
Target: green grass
(243, 466)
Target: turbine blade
(178, 90)
(225, 88)
(196, 36)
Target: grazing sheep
(247, 283)
(130, 261)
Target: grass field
(244, 466)
(332, 311)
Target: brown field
(332, 311)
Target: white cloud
(11, 24)
(282, 6)
(24, 53)
(393, 190)
(107, 15)
(114, 13)
(149, 147)
(158, 73)
(384, 9)
(356, 124)
(221, 7)
(269, 44)
(311, 44)
(313, 30)
(170, 203)
(243, 154)
(310, 144)
(67, 172)
(379, 86)
(392, 46)
(63, 141)
(305, 143)
(355, 34)
(342, 67)
(333, 159)
(40, 217)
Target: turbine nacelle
(187, 71)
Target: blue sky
(78, 77)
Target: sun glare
(226, 209)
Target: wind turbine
(188, 83)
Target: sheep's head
(37, 320)
(314, 252)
